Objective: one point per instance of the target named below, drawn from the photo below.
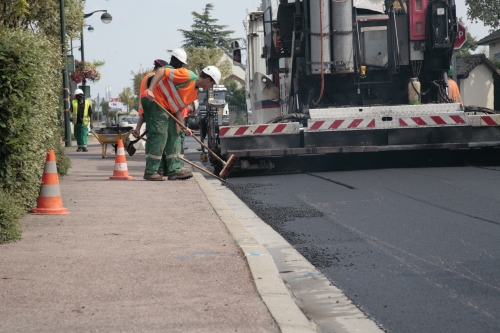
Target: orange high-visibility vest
(454, 92)
(142, 90)
(177, 89)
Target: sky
(143, 30)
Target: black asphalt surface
(416, 249)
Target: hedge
(30, 109)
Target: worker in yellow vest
(82, 113)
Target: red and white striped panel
(459, 119)
(484, 119)
(490, 120)
(343, 124)
(395, 121)
(263, 129)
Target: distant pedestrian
(82, 113)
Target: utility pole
(67, 126)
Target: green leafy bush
(9, 214)
(30, 108)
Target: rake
(227, 164)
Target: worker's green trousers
(81, 135)
(170, 160)
(157, 126)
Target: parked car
(130, 120)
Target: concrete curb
(268, 282)
(326, 306)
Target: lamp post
(90, 29)
(67, 127)
(106, 18)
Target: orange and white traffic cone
(49, 199)
(121, 170)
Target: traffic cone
(49, 199)
(121, 171)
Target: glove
(91, 126)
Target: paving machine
(346, 77)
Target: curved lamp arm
(90, 14)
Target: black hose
(429, 32)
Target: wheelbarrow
(111, 135)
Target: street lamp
(106, 18)
(90, 29)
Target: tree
(469, 46)
(42, 16)
(127, 97)
(487, 11)
(238, 94)
(137, 78)
(105, 107)
(136, 84)
(206, 33)
(200, 57)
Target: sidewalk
(132, 256)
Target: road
(417, 250)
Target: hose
(428, 35)
(321, 43)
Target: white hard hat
(78, 92)
(181, 55)
(213, 72)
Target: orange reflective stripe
(178, 99)
(174, 94)
(173, 106)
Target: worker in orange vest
(453, 91)
(173, 89)
(158, 63)
(177, 60)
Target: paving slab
(131, 256)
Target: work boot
(153, 176)
(85, 150)
(79, 149)
(181, 175)
(165, 173)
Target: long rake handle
(194, 136)
(202, 169)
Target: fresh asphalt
(417, 250)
